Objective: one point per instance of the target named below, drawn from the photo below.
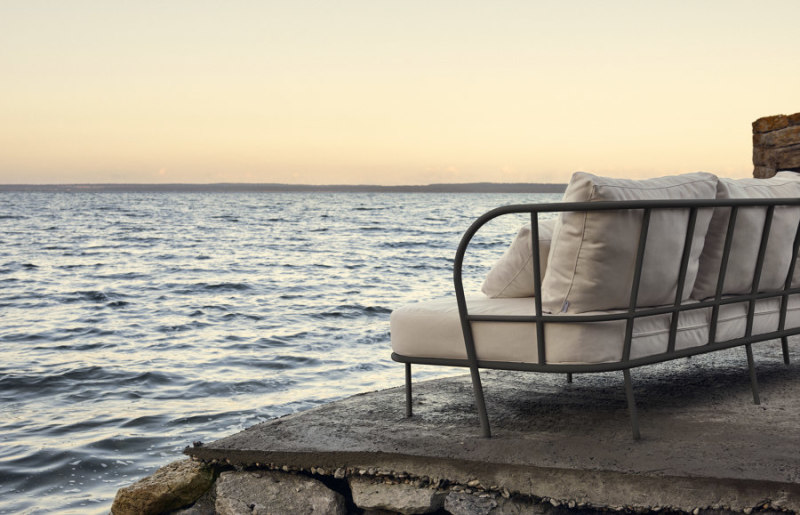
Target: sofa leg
(408, 390)
(753, 379)
(785, 347)
(631, 404)
(569, 377)
(477, 390)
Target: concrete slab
(704, 443)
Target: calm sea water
(134, 324)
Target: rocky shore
(192, 487)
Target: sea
(135, 323)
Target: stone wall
(776, 144)
(190, 487)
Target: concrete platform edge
(596, 487)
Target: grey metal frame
(633, 311)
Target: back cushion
(593, 254)
(512, 275)
(747, 237)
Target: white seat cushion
(512, 275)
(433, 330)
(747, 237)
(593, 254)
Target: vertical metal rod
(569, 377)
(786, 286)
(537, 288)
(637, 276)
(466, 328)
(408, 390)
(631, 404)
(785, 348)
(687, 250)
(723, 267)
(753, 379)
(762, 251)
(477, 390)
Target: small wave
(179, 328)
(12, 217)
(227, 218)
(233, 316)
(223, 286)
(408, 244)
(91, 296)
(92, 376)
(352, 311)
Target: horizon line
(482, 187)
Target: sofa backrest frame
(634, 311)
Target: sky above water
(387, 92)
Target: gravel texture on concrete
(704, 443)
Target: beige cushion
(747, 237)
(593, 254)
(512, 275)
(432, 329)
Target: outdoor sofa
(620, 274)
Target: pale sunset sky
(387, 92)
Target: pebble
(362, 471)
(339, 474)
(748, 511)
(474, 483)
(505, 493)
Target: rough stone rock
(268, 492)
(402, 498)
(776, 144)
(522, 506)
(771, 123)
(780, 138)
(466, 504)
(202, 506)
(788, 157)
(171, 487)
(764, 172)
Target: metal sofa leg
(631, 404)
(569, 377)
(408, 390)
(753, 379)
(785, 347)
(477, 390)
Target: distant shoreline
(476, 187)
